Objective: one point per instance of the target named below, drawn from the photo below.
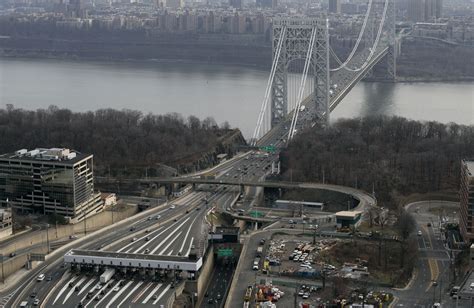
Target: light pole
(47, 236)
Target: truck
(105, 277)
(259, 251)
(248, 294)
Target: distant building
(466, 194)
(6, 226)
(49, 181)
(347, 219)
(173, 4)
(237, 4)
(334, 6)
(267, 3)
(424, 10)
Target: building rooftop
(62, 155)
(470, 167)
(349, 214)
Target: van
(40, 277)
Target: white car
(172, 207)
(116, 289)
(420, 233)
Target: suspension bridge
(303, 88)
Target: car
(72, 237)
(133, 229)
(77, 289)
(301, 292)
(12, 254)
(36, 302)
(172, 207)
(147, 238)
(157, 217)
(218, 296)
(306, 296)
(116, 289)
(155, 296)
(210, 301)
(149, 218)
(147, 231)
(429, 224)
(40, 277)
(176, 219)
(49, 278)
(262, 241)
(98, 297)
(97, 287)
(420, 233)
(206, 295)
(134, 239)
(147, 250)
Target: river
(227, 93)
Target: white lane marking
(119, 293)
(170, 253)
(161, 295)
(130, 293)
(73, 289)
(111, 290)
(86, 285)
(169, 244)
(139, 239)
(143, 291)
(190, 245)
(83, 299)
(152, 239)
(151, 293)
(187, 233)
(104, 287)
(169, 235)
(64, 289)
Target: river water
(227, 93)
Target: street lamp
(47, 236)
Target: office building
(424, 10)
(49, 181)
(236, 4)
(334, 6)
(466, 194)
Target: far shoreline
(75, 58)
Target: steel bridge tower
(296, 42)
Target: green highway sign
(270, 148)
(225, 252)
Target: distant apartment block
(466, 221)
(334, 6)
(6, 226)
(424, 10)
(49, 181)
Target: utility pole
(47, 236)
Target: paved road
(434, 261)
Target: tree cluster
(117, 138)
(391, 156)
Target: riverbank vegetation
(390, 156)
(120, 140)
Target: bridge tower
(386, 69)
(297, 38)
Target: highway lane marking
(151, 293)
(108, 293)
(139, 239)
(73, 289)
(156, 236)
(169, 235)
(161, 295)
(119, 293)
(141, 292)
(64, 289)
(86, 286)
(170, 243)
(91, 289)
(187, 233)
(130, 293)
(104, 287)
(190, 245)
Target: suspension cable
(359, 39)
(299, 100)
(268, 88)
